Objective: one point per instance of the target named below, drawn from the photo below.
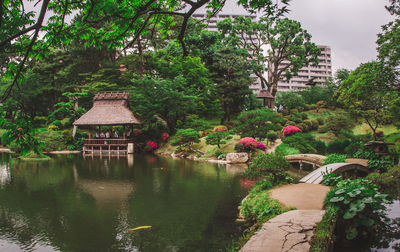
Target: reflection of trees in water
(188, 204)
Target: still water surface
(71, 203)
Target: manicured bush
(360, 206)
(304, 116)
(257, 123)
(339, 122)
(57, 123)
(338, 146)
(186, 137)
(320, 120)
(335, 158)
(220, 128)
(296, 117)
(272, 136)
(285, 149)
(268, 165)
(290, 100)
(217, 138)
(290, 130)
(305, 143)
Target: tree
(231, 74)
(185, 138)
(364, 93)
(116, 24)
(289, 46)
(290, 100)
(217, 138)
(257, 123)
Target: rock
(240, 157)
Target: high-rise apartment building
(310, 74)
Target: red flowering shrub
(249, 144)
(220, 128)
(151, 146)
(164, 136)
(290, 130)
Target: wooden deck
(106, 145)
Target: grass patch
(31, 156)
(363, 129)
(324, 237)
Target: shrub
(164, 136)
(151, 146)
(324, 238)
(185, 137)
(388, 181)
(296, 117)
(338, 146)
(289, 100)
(220, 128)
(305, 143)
(380, 164)
(339, 122)
(53, 140)
(320, 120)
(258, 205)
(39, 121)
(285, 150)
(331, 179)
(57, 123)
(304, 116)
(290, 130)
(314, 124)
(273, 165)
(217, 138)
(196, 123)
(334, 158)
(360, 205)
(272, 136)
(257, 123)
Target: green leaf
(340, 191)
(349, 214)
(336, 199)
(351, 234)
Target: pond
(75, 203)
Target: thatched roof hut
(109, 108)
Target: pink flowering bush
(249, 144)
(164, 136)
(261, 146)
(290, 130)
(151, 146)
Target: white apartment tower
(311, 73)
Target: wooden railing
(106, 142)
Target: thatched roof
(109, 108)
(264, 94)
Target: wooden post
(301, 165)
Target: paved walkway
(290, 231)
(301, 196)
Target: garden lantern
(268, 98)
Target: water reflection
(71, 203)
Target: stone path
(301, 196)
(273, 147)
(290, 231)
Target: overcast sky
(350, 27)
